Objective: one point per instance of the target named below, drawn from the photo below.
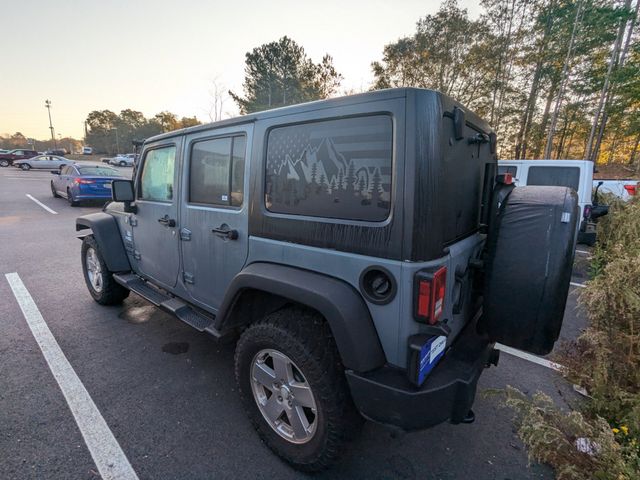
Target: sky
(155, 55)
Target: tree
(280, 73)
(446, 53)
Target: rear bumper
(92, 196)
(386, 395)
(587, 233)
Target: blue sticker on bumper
(430, 354)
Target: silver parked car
(127, 160)
(50, 162)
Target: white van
(576, 174)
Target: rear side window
(335, 169)
(156, 180)
(554, 176)
(216, 171)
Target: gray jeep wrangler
(362, 252)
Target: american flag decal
(336, 168)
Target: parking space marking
(527, 356)
(103, 446)
(575, 284)
(41, 204)
(583, 252)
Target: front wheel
(99, 280)
(53, 191)
(123, 164)
(25, 166)
(293, 388)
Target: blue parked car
(79, 183)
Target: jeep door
(214, 217)
(155, 224)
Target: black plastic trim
(387, 396)
(337, 301)
(107, 234)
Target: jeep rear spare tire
(293, 388)
(530, 253)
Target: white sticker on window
(224, 198)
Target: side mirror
(595, 195)
(55, 172)
(122, 191)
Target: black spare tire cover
(530, 253)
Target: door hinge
(185, 234)
(188, 278)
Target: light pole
(47, 104)
(117, 141)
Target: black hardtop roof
(375, 95)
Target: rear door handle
(224, 231)
(167, 222)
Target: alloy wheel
(94, 269)
(283, 396)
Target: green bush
(604, 360)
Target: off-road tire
(303, 336)
(53, 191)
(112, 293)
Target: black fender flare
(340, 304)
(107, 234)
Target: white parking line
(583, 252)
(527, 356)
(581, 285)
(104, 448)
(41, 204)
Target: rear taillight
(631, 189)
(83, 181)
(587, 211)
(430, 291)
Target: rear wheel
(53, 191)
(25, 166)
(102, 287)
(123, 164)
(72, 201)
(292, 384)
(4, 163)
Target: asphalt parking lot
(167, 393)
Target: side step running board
(169, 304)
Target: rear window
(507, 169)
(554, 176)
(336, 168)
(99, 171)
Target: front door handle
(167, 222)
(224, 231)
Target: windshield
(99, 171)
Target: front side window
(156, 181)
(216, 171)
(554, 176)
(334, 169)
